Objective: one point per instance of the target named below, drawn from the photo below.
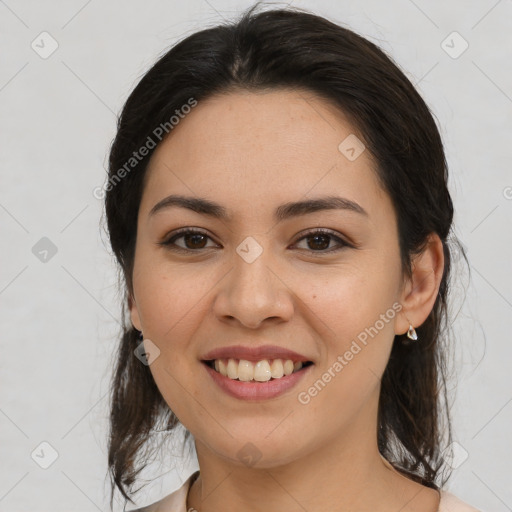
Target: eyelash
(170, 243)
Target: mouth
(264, 370)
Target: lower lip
(256, 390)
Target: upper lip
(254, 354)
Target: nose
(254, 293)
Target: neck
(340, 475)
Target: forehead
(258, 148)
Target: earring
(141, 336)
(411, 333)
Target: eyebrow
(283, 212)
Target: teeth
(222, 367)
(245, 370)
(232, 369)
(262, 371)
(288, 367)
(276, 368)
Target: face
(255, 278)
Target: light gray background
(59, 317)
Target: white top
(177, 501)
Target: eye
(193, 240)
(320, 240)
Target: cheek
(355, 352)
(170, 301)
(348, 300)
(353, 311)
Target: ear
(420, 290)
(134, 313)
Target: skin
(251, 152)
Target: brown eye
(193, 240)
(320, 241)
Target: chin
(258, 451)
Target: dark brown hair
(295, 49)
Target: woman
(277, 201)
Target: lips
(254, 354)
(257, 390)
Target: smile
(260, 371)
(259, 380)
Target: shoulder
(177, 501)
(174, 502)
(451, 503)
